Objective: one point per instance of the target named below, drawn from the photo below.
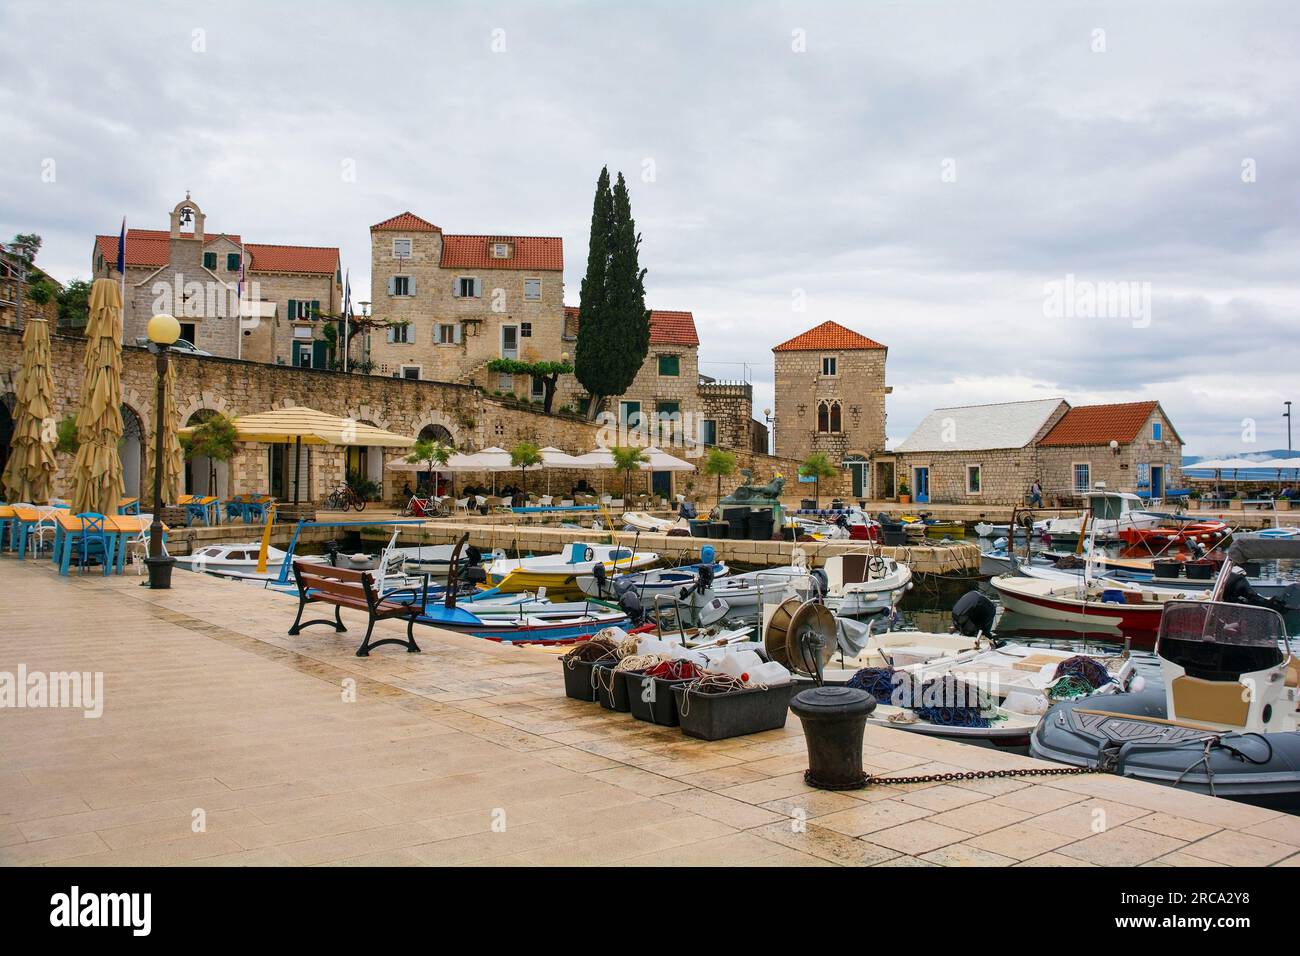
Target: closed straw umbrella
(97, 472)
(29, 476)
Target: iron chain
(987, 775)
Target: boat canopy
(1111, 505)
(1258, 547)
(1217, 641)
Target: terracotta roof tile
(1100, 424)
(406, 222)
(666, 327)
(539, 253)
(827, 337)
(149, 248)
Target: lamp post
(770, 419)
(1287, 415)
(163, 331)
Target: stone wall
(234, 388)
(860, 388)
(730, 405)
(1005, 474)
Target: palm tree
(434, 453)
(627, 460)
(817, 466)
(720, 463)
(523, 456)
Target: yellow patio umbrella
(29, 476)
(299, 425)
(173, 457)
(97, 471)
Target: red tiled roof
(315, 259)
(666, 327)
(406, 222)
(827, 337)
(149, 248)
(1100, 424)
(672, 328)
(540, 253)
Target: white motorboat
(865, 582)
(746, 593)
(239, 560)
(1109, 513)
(987, 530)
(644, 521)
(560, 574)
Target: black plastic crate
(611, 688)
(719, 716)
(577, 681)
(662, 710)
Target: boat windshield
(1109, 507)
(1219, 641)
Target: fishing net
(1087, 669)
(594, 651)
(674, 670)
(941, 700)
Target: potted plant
(904, 493)
(523, 456)
(720, 464)
(627, 460)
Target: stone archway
(440, 427)
(204, 476)
(133, 451)
(7, 401)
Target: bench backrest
(340, 582)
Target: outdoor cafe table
(118, 531)
(207, 507)
(25, 518)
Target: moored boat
(560, 573)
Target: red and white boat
(1131, 608)
(1205, 532)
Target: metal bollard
(834, 719)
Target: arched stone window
(830, 417)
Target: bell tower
(186, 213)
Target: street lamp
(769, 419)
(163, 331)
(1287, 415)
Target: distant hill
(1254, 456)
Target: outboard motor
(1239, 591)
(684, 510)
(818, 583)
(332, 549)
(973, 614)
(602, 583)
(474, 575)
(704, 578)
(473, 555)
(629, 603)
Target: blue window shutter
(410, 286)
(478, 288)
(392, 288)
(455, 334)
(293, 309)
(455, 287)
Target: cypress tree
(614, 325)
(625, 295)
(589, 352)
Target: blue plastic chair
(91, 541)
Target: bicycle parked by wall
(344, 497)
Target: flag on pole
(121, 248)
(242, 275)
(347, 314)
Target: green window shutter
(319, 358)
(293, 309)
(670, 365)
(232, 261)
(315, 309)
(209, 260)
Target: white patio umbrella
(553, 457)
(659, 460)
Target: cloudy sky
(927, 173)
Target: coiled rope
(709, 684)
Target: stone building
(453, 303)
(729, 407)
(33, 277)
(975, 454)
(1131, 447)
(991, 454)
(830, 398)
(268, 312)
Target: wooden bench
(344, 587)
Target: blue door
(1157, 481)
(922, 489)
